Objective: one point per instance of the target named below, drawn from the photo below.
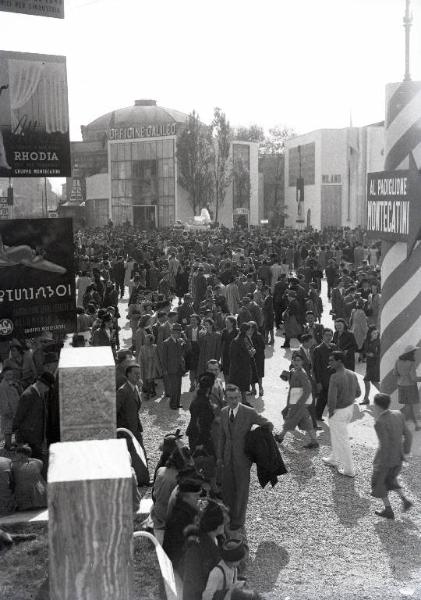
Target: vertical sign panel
(37, 279)
(34, 116)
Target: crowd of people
(206, 305)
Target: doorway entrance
(145, 217)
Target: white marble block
(90, 521)
(87, 394)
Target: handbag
(295, 394)
(220, 594)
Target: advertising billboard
(39, 8)
(37, 278)
(34, 116)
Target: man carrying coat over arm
(236, 421)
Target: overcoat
(236, 469)
(240, 365)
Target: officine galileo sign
(143, 131)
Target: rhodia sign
(34, 116)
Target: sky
(307, 64)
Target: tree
(275, 142)
(221, 137)
(194, 155)
(254, 133)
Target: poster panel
(37, 278)
(34, 116)
(39, 8)
(390, 195)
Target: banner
(394, 205)
(34, 116)
(40, 8)
(37, 278)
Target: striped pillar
(400, 320)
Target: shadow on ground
(270, 559)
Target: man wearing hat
(124, 358)
(173, 364)
(30, 421)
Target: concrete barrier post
(90, 521)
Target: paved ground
(315, 534)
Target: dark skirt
(372, 370)
(408, 394)
(192, 358)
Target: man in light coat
(343, 389)
(236, 421)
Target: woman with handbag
(298, 403)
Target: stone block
(87, 394)
(90, 530)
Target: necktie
(231, 416)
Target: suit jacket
(322, 371)
(128, 406)
(31, 417)
(338, 304)
(233, 437)
(172, 356)
(394, 439)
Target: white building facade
(325, 176)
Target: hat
(176, 327)
(47, 379)
(206, 380)
(189, 486)
(233, 550)
(170, 443)
(123, 354)
(410, 348)
(212, 517)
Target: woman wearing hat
(408, 395)
(241, 353)
(209, 345)
(184, 512)
(203, 551)
(224, 576)
(166, 480)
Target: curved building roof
(144, 112)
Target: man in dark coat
(331, 276)
(236, 422)
(279, 300)
(30, 421)
(322, 371)
(129, 403)
(173, 364)
(118, 274)
(394, 445)
(338, 304)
